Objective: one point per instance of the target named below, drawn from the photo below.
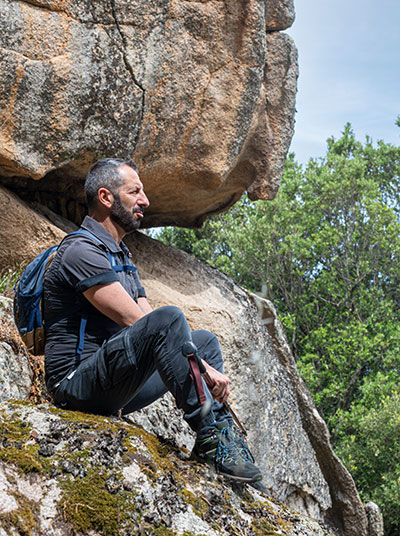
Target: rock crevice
(130, 69)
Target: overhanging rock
(201, 94)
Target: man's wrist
(206, 365)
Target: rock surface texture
(65, 473)
(16, 220)
(202, 94)
(15, 371)
(286, 434)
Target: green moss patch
(199, 504)
(23, 519)
(88, 420)
(17, 446)
(164, 531)
(161, 457)
(87, 504)
(262, 527)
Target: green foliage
(8, 279)
(326, 251)
(368, 443)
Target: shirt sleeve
(85, 264)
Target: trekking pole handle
(189, 350)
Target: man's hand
(220, 390)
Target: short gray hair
(105, 174)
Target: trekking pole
(198, 370)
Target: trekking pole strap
(195, 374)
(189, 350)
(196, 369)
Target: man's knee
(208, 348)
(166, 316)
(203, 337)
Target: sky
(349, 61)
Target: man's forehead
(130, 176)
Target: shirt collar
(104, 236)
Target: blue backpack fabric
(29, 293)
(27, 302)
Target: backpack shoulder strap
(84, 232)
(120, 267)
(129, 268)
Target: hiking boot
(244, 449)
(230, 455)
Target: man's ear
(105, 197)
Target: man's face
(129, 202)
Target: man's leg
(218, 443)
(152, 390)
(108, 380)
(208, 349)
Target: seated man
(106, 350)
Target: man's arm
(220, 391)
(113, 301)
(144, 305)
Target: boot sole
(210, 463)
(241, 478)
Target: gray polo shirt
(79, 264)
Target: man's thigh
(154, 388)
(107, 380)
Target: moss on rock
(24, 518)
(87, 504)
(88, 458)
(17, 445)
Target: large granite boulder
(201, 94)
(15, 371)
(286, 434)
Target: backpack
(29, 293)
(27, 301)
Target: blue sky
(349, 58)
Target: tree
(326, 252)
(369, 445)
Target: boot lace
(244, 450)
(227, 448)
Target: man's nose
(143, 200)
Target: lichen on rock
(102, 476)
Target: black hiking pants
(141, 363)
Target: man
(106, 350)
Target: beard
(123, 217)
